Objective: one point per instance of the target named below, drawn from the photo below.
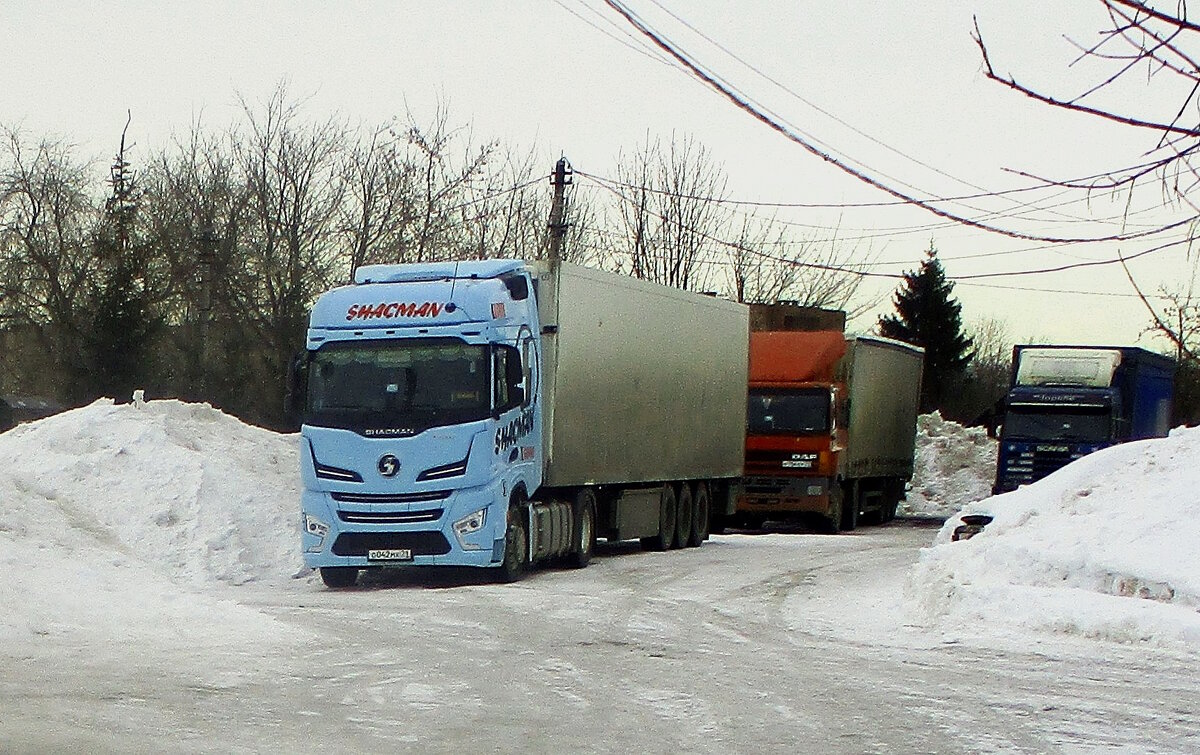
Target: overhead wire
(856, 271)
(851, 127)
(867, 233)
(761, 114)
(627, 42)
(611, 186)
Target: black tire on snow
(583, 537)
(752, 521)
(516, 543)
(666, 521)
(837, 501)
(700, 516)
(851, 505)
(684, 513)
(337, 577)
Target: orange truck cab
(830, 427)
(792, 434)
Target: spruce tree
(116, 339)
(928, 317)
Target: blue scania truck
(1067, 401)
(499, 413)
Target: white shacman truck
(498, 413)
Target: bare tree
(671, 212)
(195, 213)
(380, 201)
(504, 212)
(294, 182)
(444, 183)
(768, 265)
(47, 220)
(1154, 46)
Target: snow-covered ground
(154, 600)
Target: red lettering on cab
(389, 310)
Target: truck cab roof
(431, 271)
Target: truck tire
(516, 543)
(701, 517)
(837, 502)
(584, 529)
(684, 515)
(339, 576)
(666, 521)
(895, 494)
(851, 505)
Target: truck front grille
(431, 495)
(390, 517)
(1030, 465)
(420, 543)
(768, 485)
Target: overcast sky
(894, 88)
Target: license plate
(390, 554)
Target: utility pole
(560, 179)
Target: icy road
(781, 642)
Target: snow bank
(954, 466)
(1105, 547)
(108, 514)
(199, 494)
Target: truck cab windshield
(1058, 423)
(802, 411)
(397, 387)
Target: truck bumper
(434, 533)
(765, 495)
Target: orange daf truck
(830, 428)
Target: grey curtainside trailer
(644, 383)
(645, 400)
(883, 383)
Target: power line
(500, 193)
(626, 42)
(743, 102)
(614, 186)
(985, 193)
(848, 270)
(876, 232)
(1030, 289)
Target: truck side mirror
(297, 388)
(509, 379)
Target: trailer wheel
(666, 521)
(684, 515)
(895, 494)
(851, 505)
(837, 502)
(516, 543)
(339, 576)
(700, 519)
(584, 540)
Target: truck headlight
(470, 523)
(314, 526)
